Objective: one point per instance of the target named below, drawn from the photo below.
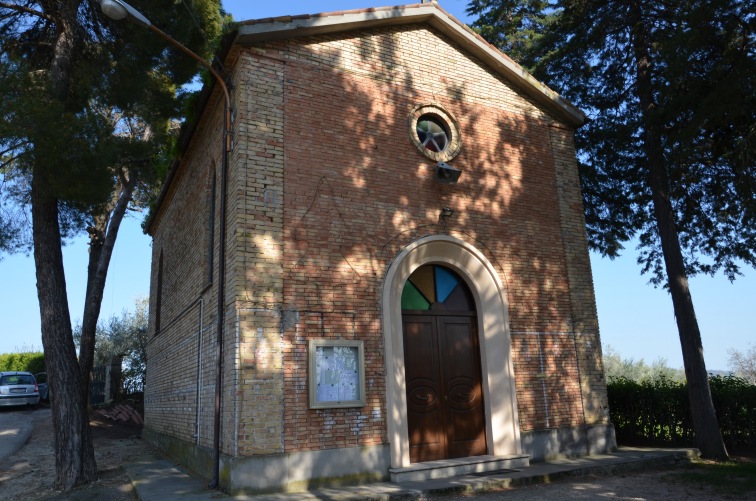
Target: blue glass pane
(412, 299)
(446, 281)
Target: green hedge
(23, 362)
(658, 412)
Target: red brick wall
(547, 382)
(356, 191)
(325, 189)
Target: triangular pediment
(289, 27)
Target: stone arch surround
(502, 423)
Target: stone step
(446, 468)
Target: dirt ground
(29, 473)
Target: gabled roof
(288, 27)
(285, 27)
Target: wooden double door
(445, 412)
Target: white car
(18, 388)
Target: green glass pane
(446, 281)
(412, 299)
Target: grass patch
(736, 477)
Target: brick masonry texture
(325, 188)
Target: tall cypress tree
(84, 129)
(668, 154)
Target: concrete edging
(555, 470)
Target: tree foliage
(10, 224)
(515, 27)
(703, 76)
(114, 120)
(85, 126)
(616, 368)
(126, 336)
(743, 363)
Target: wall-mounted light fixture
(445, 173)
(446, 213)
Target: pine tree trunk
(102, 241)
(74, 452)
(90, 317)
(705, 424)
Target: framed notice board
(337, 373)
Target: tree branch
(11, 160)
(15, 146)
(26, 10)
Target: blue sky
(635, 319)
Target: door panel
(460, 363)
(444, 396)
(424, 397)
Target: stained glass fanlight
(434, 287)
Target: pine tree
(668, 154)
(84, 129)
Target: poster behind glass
(336, 374)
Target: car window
(16, 379)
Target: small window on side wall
(337, 374)
(210, 263)
(159, 293)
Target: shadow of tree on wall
(515, 170)
(356, 191)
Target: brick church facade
(379, 313)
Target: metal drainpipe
(198, 420)
(221, 284)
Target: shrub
(735, 402)
(658, 412)
(24, 362)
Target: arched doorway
(445, 413)
(502, 431)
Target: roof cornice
(288, 27)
